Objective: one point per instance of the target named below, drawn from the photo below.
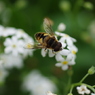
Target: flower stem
(90, 87)
(73, 85)
(84, 78)
(93, 86)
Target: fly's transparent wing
(48, 26)
(33, 46)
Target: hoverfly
(47, 40)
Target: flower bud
(65, 6)
(88, 5)
(70, 94)
(91, 70)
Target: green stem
(90, 87)
(93, 86)
(73, 85)
(84, 78)
(68, 85)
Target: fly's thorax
(41, 37)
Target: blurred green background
(79, 18)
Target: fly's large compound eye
(58, 47)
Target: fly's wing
(48, 26)
(33, 46)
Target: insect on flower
(47, 40)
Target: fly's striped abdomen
(51, 43)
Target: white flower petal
(15, 52)
(43, 52)
(63, 45)
(8, 49)
(70, 56)
(59, 57)
(69, 42)
(64, 67)
(51, 54)
(71, 62)
(59, 34)
(58, 64)
(74, 40)
(7, 42)
(20, 50)
(64, 52)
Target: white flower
(66, 38)
(92, 93)
(21, 34)
(37, 84)
(65, 63)
(61, 27)
(14, 46)
(73, 50)
(8, 31)
(49, 93)
(29, 44)
(3, 74)
(83, 90)
(49, 51)
(10, 61)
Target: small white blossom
(66, 38)
(65, 63)
(49, 93)
(83, 90)
(21, 34)
(8, 31)
(28, 44)
(37, 84)
(3, 74)
(14, 46)
(73, 50)
(61, 27)
(9, 61)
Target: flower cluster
(12, 51)
(66, 57)
(37, 84)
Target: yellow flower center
(74, 52)
(66, 35)
(29, 45)
(65, 62)
(13, 46)
(21, 31)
